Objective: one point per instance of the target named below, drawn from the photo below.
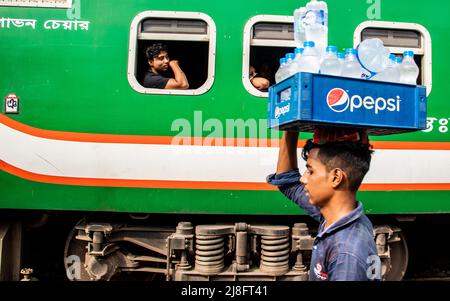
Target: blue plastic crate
(305, 101)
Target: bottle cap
(290, 56)
(331, 49)
(309, 44)
(408, 53)
(398, 60)
(282, 60)
(341, 55)
(299, 50)
(350, 51)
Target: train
(170, 184)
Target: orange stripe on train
(196, 184)
(168, 140)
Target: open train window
(267, 38)
(190, 38)
(400, 37)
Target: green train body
(88, 137)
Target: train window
(400, 37)
(190, 38)
(267, 38)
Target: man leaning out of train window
(159, 63)
(336, 163)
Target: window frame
(247, 43)
(133, 43)
(424, 50)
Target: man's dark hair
(352, 157)
(154, 50)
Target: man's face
(317, 180)
(160, 62)
(251, 72)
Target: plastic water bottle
(330, 64)
(373, 56)
(281, 74)
(316, 25)
(299, 28)
(309, 61)
(408, 69)
(299, 51)
(385, 74)
(391, 73)
(341, 57)
(397, 72)
(351, 66)
(289, 59)
(294, 68)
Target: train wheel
(399, 258)
(393, 252)
(74, 258)
(82, 266)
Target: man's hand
(180, 81)
(260, 83)
(173, 63)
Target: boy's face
(317, 180)
(160, 62)
(251, 72)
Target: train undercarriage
(229, 252)
(93, 249)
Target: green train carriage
(82, 137)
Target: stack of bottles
(311, 24)
(370, 60)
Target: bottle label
(315, 16)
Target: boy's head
(336, 159)
(157, 57)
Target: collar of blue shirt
(343, 222)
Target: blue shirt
(345, 250)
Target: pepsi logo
(277, 112)
(338, 100)
(282, 111)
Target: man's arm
(260, 83)
(287, 177)
(180, 81)
(287, 156)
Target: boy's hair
(352, 157)
(154, 50)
